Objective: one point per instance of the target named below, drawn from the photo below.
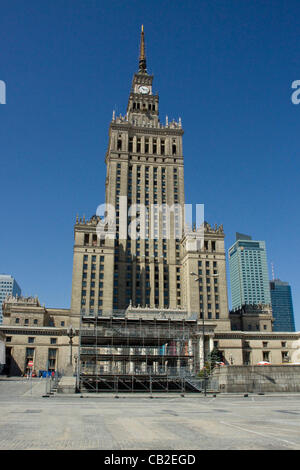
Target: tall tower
(150, 260)
(144, 169)
(145, 164)
(248, 272)
(8, 286)
(282, 306)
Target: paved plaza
(166, 422)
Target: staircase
(195, 384)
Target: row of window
(35, 322)
(92, 240)
(147, 159)
(31, 340)
(51, 362)
(210, 315)
(158, 148)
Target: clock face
(144, 89)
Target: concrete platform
(67, 385)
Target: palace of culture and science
(145, 163)
(164, 277)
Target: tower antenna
(142, 58)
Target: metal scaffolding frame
(117, 353)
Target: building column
(131, 363)
(190, 353)
(211, 343)
(200, 345)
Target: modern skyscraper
(248, 272)
(145, 174)
(8, 286)
(282, 306)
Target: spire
(142, 58)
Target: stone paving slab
(137, 422)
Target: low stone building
(35, 333)
(42, 335)
(250, 348)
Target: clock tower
(145, 163)
(153, 266)
(142, 104)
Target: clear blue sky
(225, 67)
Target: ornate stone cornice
(147, 129)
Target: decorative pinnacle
(142, 58)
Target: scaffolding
(117, 353)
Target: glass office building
(248, 272)
(8, 286)
(282, 306)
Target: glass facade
(282, 306)
(248, 272)
(8, 286)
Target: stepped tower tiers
(145, 175)
(145, 163)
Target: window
(29, 356)
(53, 340)
(119, 143)
(51, 359)
(285, 356)
(26, 321)
(266, 356)
(30, 340)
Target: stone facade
(252, 318)
(33, 332)
(145, 179)
(258, 379)
(250, 348)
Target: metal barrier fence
(149, 370)
(51, 384)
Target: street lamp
(71, 332)
(197, 279)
